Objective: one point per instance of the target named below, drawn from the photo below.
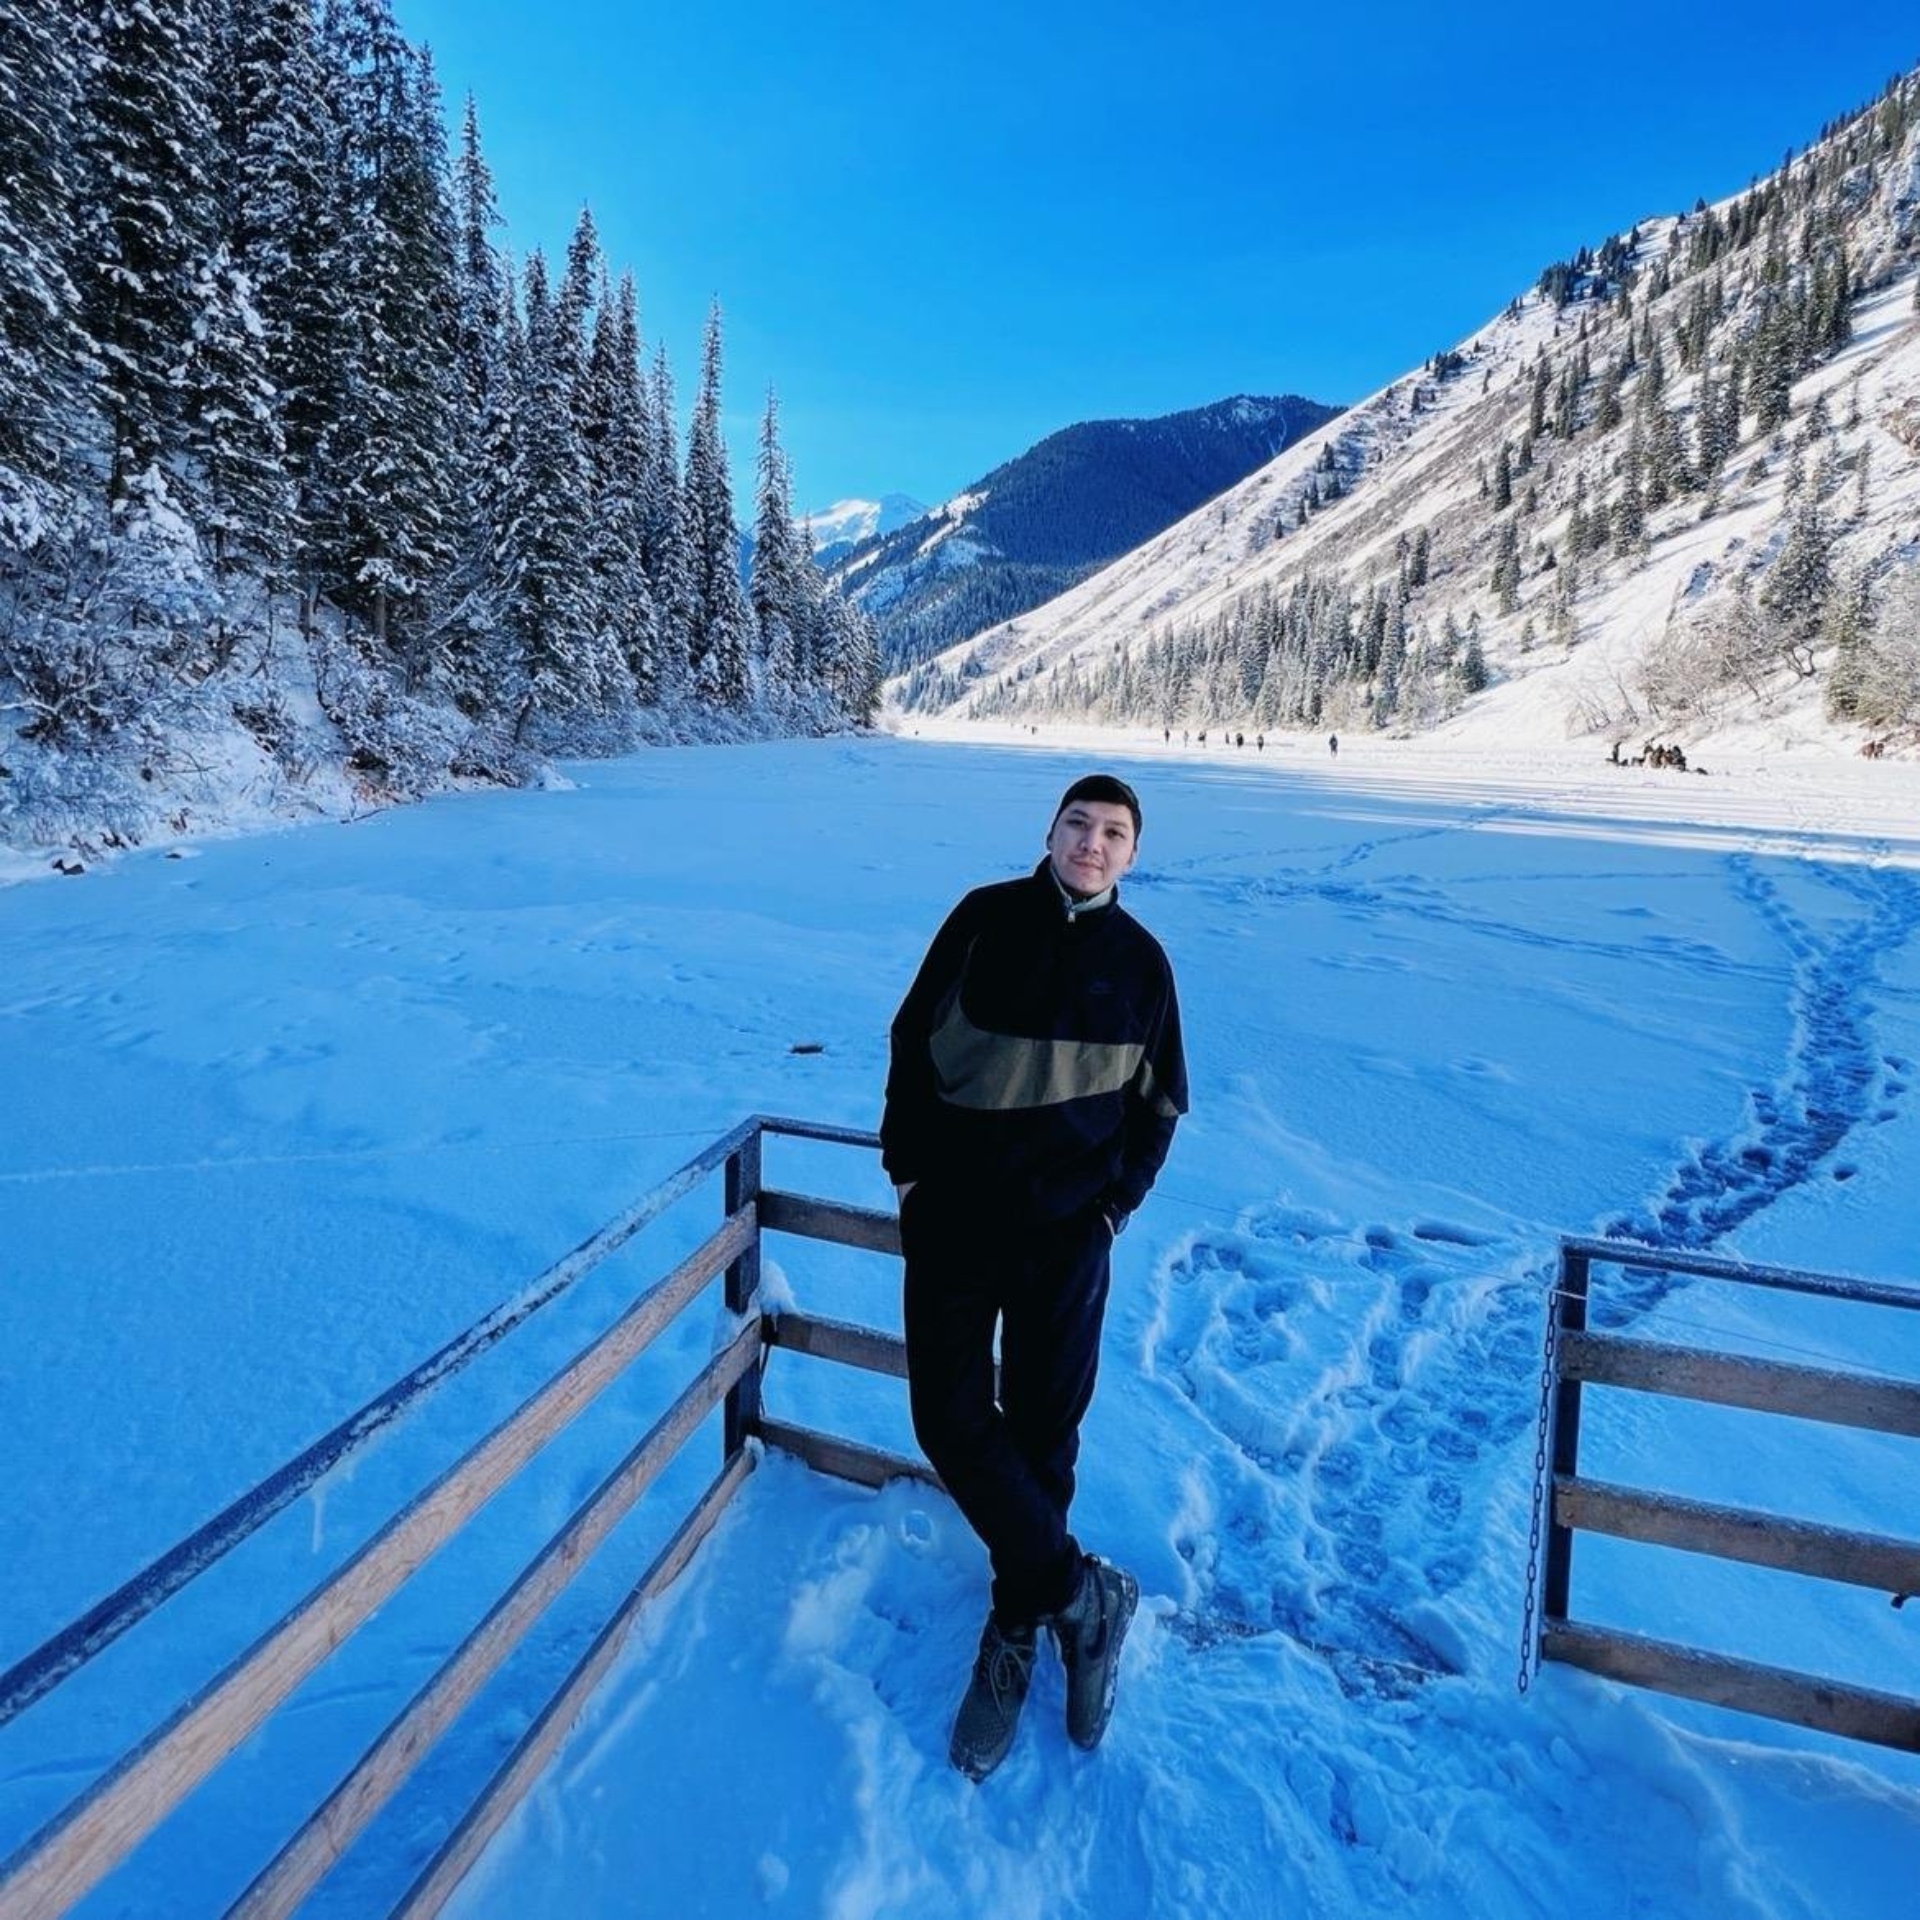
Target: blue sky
(940, 233)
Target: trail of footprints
(1355, 1379)
(1834, 1079)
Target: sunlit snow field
(288, 1112)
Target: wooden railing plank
(868, 1227)
(1804, 1700)
(845, 1459)
(1875, 1401)
(311, 1853)
(853, 1346)
(1873, 1560)
(444, 1872)
(816, 1130)
(57, 1865)
(82, 1640)
(1708, 1266)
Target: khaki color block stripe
(999, 1072)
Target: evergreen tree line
(263, 362)
(1302, 658)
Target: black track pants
(1008, 1466)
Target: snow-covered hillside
(1577, 444)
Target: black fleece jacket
(1037, 1058)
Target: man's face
(1091, 846)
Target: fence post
(743, 1282)
(1569, 1316)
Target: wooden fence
(59, 1864)
(1585, 1358)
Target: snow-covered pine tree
(1470, 671)
(1420, 557)
(1800, 580)
(723, 631)
(469, 641)
(45, 360)
(775, 587)
(849, 658)
(1771, 361)
(394, 452)
(1628, 523)
(549, 497)
(664, 543)
(620, 450)
(298, 168)
(1506, 568)
(1845, 623)
(240, 492)
(149, 156)
(1882, 682)
(283, 235)
(1668, 470)
(573, 306)
(480, 276)
(1608, 411)
(1653, 379)
(493, 677)
(1712, 446)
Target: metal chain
(1549, 1378)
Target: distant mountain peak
(1037, 523)
(842, 526)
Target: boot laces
(1006, 1666)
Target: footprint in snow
(1361, 1383)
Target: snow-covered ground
(288, 1111)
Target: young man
(1036, 1078)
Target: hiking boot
(983, 1729)
(1089, 1630)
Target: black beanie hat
(1102, 786)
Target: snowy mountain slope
(1040, 521)
(1596, 637)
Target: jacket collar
(1075, 909)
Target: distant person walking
(1333, 743)
(1035, 1081)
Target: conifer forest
(304, 476)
